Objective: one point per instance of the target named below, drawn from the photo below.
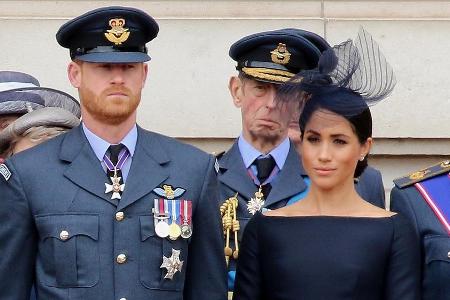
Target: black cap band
(260, 64)
(74, 53)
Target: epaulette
(423, 174)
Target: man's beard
(112, 111)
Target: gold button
(64, 235)
(121, 258)
(120, 215)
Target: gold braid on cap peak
(269, 74)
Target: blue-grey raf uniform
(63, 232)
(420, 196)
(262, 57)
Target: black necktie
(114, 151)
(265, 166)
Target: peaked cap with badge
(423, 197)
(68, 234)
(276, 56)
(109, 35)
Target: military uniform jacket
(234, 178)
(407, 200)
(60, 186)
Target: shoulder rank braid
(423, 174)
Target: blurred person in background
(22, 123)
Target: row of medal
(173, 218)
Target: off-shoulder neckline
(328, 217)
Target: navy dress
(325, 257)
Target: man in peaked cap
(112, 211)
(262, 169)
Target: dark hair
(344, 103)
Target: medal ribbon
(123, 156)
(156, 206)
(436, 192)
(186, 211)
(175, 210)
(166, 209)
(268, 180)
(161, 206)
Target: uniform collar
(249, 153)
(100, 146)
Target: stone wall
(186, 94)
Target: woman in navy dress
(332, 244)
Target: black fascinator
(351, 71)
(348, 79)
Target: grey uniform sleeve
(17, 239)
(206, 268)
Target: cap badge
(117, 34)
(280, 55)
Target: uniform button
(121, 258)
(448, 254)
(64, 235)
(119, 217)
(123, 299)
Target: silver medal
(162, 229)
(186, 231)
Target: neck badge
(117, 34)
(256, 203)
(116, 187)
(172, 264)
